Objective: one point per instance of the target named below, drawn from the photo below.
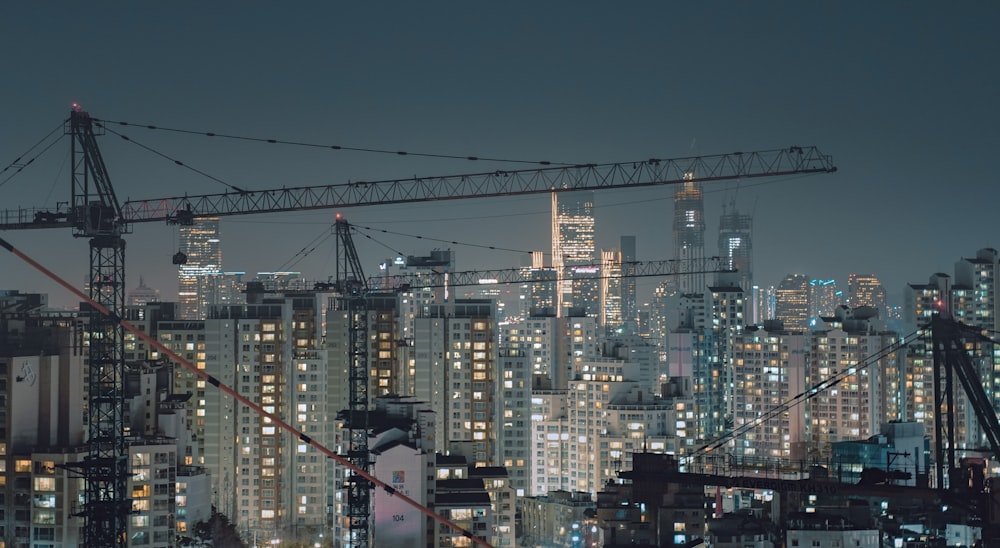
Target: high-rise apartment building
(769, 367)
(455, 348)
(920, 303)
(736, 244)
(199, 242)
(549, 441)
(553, 345)
(574, 250)
(269, 485)
(864, 398)
(969, 297)
(791, 302)
(612, 417)
(977, 277)
(514, 413)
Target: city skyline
(880, 88)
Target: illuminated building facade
(769, 367)
(867, 290)
(611, 317)
(514, 412)
(456, 371)
(553, 345)
(199, 242)
(549, 442)
(978, 277)
(613, 418)
(857, 406)
(573, 248)
(920, 303)
(539, 292)
(824, 298)
(791, 302)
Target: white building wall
(407, 470)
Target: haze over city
(902, 95)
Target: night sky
(904, 95)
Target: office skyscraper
(824, 298)
(689, 235)
(573, 248)
(736, 245)
(867, 290)
(791, 302)
(200, 244)
(539, 291)
(629, 306)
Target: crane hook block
(180, 258)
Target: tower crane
(95, 213)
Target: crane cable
(453, 242)
(240, 398)
(813, 391)
(333, 147)
(16, 164)
(174, 160)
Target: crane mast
(96, 213)
(353, 290)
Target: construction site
(371, 410)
